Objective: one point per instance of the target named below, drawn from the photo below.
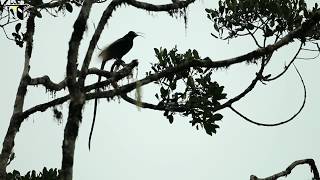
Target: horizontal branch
(158, 107)
(114, 77)
(43, 107)
(288, 170)
(52, 86)
(48, 84)
(165, 7)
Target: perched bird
(118, 48)
(115, 50)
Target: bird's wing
(108, 52)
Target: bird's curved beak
(139, 34)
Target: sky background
(129, 143)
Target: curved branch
(286, 67)
(283, 122)
(165, 7)
(48, 84)
(289, 169)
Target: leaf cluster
(51, 174)
(18, 37)
(191, 89)
(273, 17)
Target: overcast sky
(129, 143)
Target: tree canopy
(185, 80)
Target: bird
(115, 50)
(118, 48)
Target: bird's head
(132, 34)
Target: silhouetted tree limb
(159, 107)
(77, 97)
(124, 72)
(52, 86)
(48, 84)
(286, 67)
(164, 7)
(289, 169)
(282, 122)
(16, 120)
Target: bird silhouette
(115, 50)
(119, 48)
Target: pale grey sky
(139, 145)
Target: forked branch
(289, 169)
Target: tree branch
(52, 86)
(16, 120)
(77, 97)
(286, 67)
(164, 7)
(158, 107)
(282, 122)
(288, 170)
(114, 77)
(48, 84)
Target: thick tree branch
(48, 84)
(289, 169)
(77, 97)
(165, 7)
(16, 120)
(52, 86)
(124, 72)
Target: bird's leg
(115, 66)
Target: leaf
(214, 35)
(196, 54)
(217, 117)
(60, 8)
(69, 7)
(216, 27)
(156, 51)
(15, 35)
(170, 117)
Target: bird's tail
(95, 107)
